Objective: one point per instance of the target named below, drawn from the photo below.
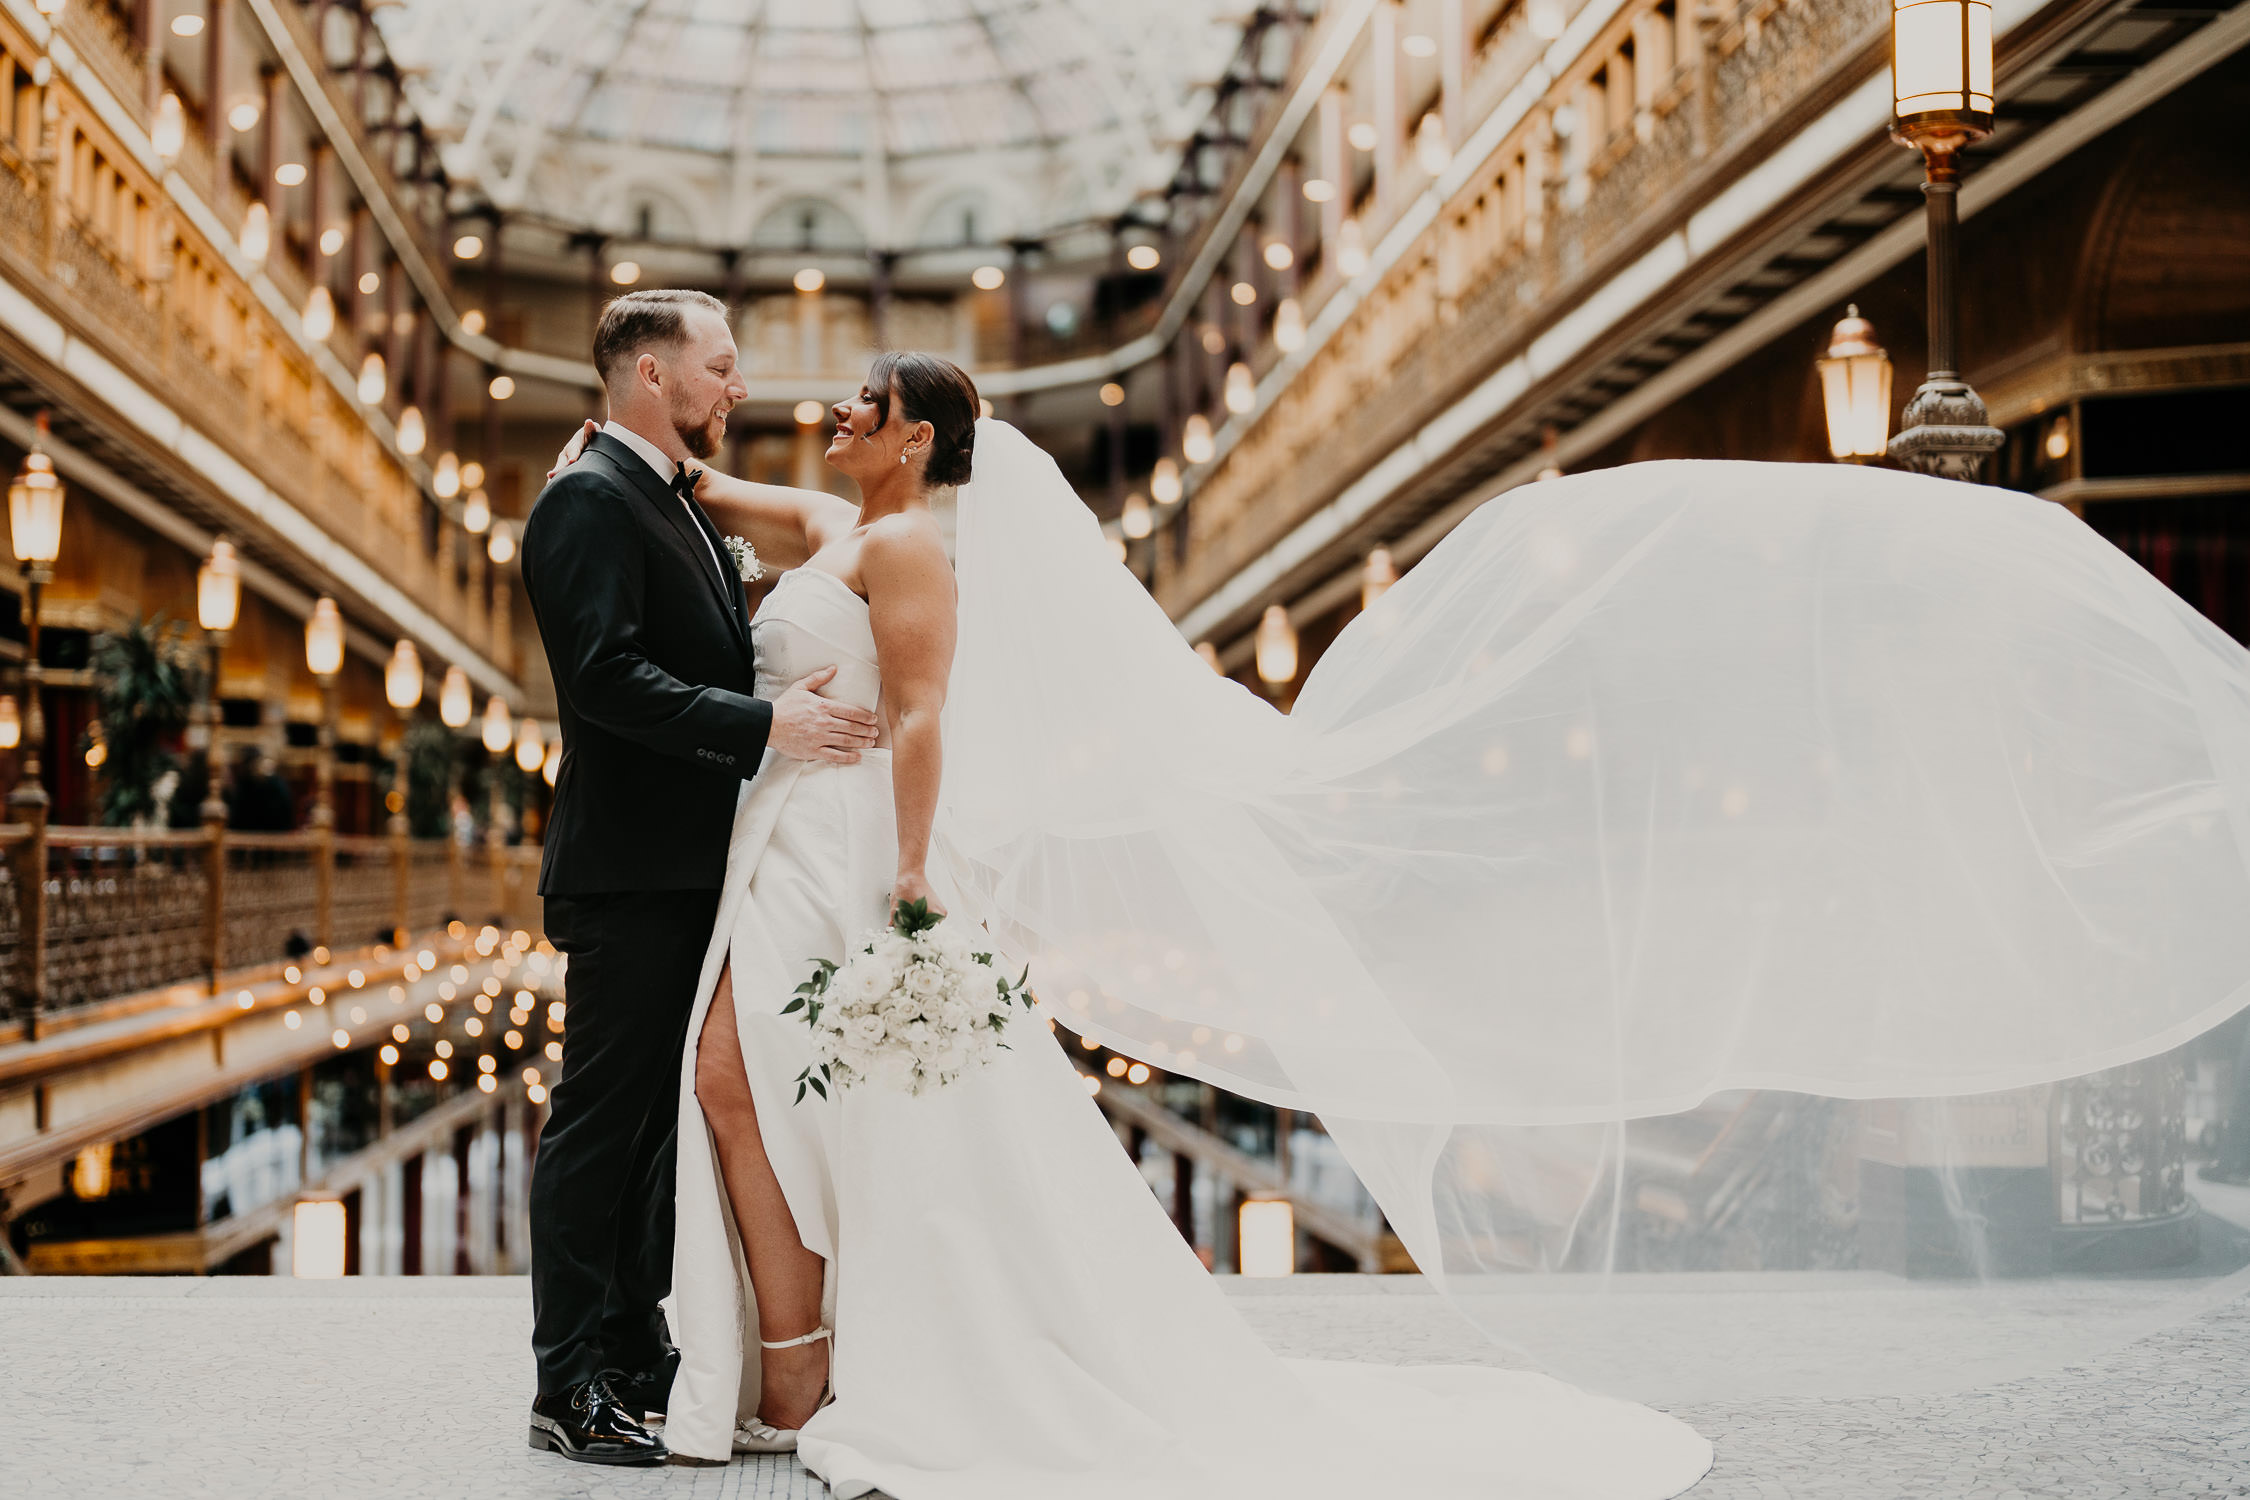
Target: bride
(1652, 783)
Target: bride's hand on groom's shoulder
(576, 446)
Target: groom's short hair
(640, 320)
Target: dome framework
(861, 124)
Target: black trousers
(601, 1186)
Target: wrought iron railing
(90, 914)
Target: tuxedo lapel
(695, 532)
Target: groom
(648, 641)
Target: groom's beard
(698, 439)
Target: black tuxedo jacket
(649, 644)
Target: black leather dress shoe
(588, 1423)
(647, 1392)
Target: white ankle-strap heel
(762, 1437)
(813, 1337)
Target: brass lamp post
(35, 507)
(1855, 386)
(1941, 90)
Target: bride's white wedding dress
(1643, 785)
(1015, 1317)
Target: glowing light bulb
(1196, 442)
(320, 314)
(257, 234)
(1289, 326)
(1134, 520)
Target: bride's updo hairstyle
(939, 392)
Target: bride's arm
(910, 606)
(785, 525)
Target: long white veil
(1646, 787)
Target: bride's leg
(785, 1275)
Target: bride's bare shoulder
(905, 552)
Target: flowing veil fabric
(1644, 786)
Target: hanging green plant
(147, 682)
(428, 748)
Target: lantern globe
(1196, 442)
(402, 678)
(256, 237)
(413, 432)
(1164, 485)
(35, 508)
(531, 746)
(218, 589)
(324, 639)
(499, 729)
(1276, 647)
(1376, 575)
(1941, 72)
(1135, 520)
(168, 135)
(1855, 387)
(320, 314)
(454, 707)
(501, 545)
(11, 723)
(1289, 326)
(445, 479)
(374, 382)
(476, 513)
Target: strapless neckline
(831, 577)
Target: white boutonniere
(745, 559)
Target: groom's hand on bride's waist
(807, 726)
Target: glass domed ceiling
(1081, 102)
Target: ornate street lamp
(319, 315)
(454, 706)
(35, 508)
(1164, 485)
(1376, 575)
(402, 686)
(257, 234)
(498, 729)
(531, 747)
(1276, 648)
(168, 135)
(1855, 384)
(218, 601)
(1941, 90)
(324, 657)
(1197, 443)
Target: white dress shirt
(668, 472)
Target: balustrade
(125, 911)
(83, 224)
(1661, 104)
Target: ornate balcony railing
(85, 228)
(117, 912)
(1664, 105)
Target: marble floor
(400, 1388)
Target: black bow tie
(683, 483)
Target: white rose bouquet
(914, 1009)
